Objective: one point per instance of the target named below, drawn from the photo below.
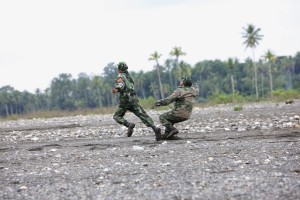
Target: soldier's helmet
(122, 66)
(187, 81)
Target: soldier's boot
(166, 133)
(157, 132)
(130, 127)
(173, 131)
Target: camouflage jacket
(183, 99)
(126, 89)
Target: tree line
(249, 78)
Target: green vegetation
(222, 98)
(286, 95)
(275, 78)
(238, 108)
(147, 103)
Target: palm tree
(97, 82)
(139, 80)
(155, 56)
(176, 51)
(252, 37)
(270, 57)
(168, 68)
(185, 69)
(231, 63)
(153, 89)
(289, 63)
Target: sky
(40, 39)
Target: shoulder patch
(176, 93)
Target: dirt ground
(222, 154)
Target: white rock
(23, 187)
(166, 164)
(34, 138)
(267, 161)
(202, 130)
(138, 148)
(208, 128)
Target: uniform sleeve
(170, 99)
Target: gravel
(222, 154)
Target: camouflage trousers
(168, 119)
(135, 109)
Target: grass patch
(238, 108)
(56, 113)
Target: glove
(157, 103)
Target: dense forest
(249, 79)
(212, 76)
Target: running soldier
(130, 102)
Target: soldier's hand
(114, 90)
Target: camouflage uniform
(183, 99)
(130, 102)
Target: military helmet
(122, 66)
(187, 81)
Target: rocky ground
(222, 154)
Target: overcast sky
(40, 39)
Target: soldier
(184, 98)
(129, 101)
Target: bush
(284, 95)
(147, 103)
(222, 98)
(238, 108)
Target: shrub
(147, 103)
(284, 95)
(222, 98)
(238, 108)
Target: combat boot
(167, 132)
(173, 137)
(157, 132)
(130, 129)
(172, 132)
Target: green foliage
(147, 103)
(59, 113)
(284, 95)
(222, 98)
(238, 108)
(88, 93)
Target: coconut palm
(231, 63)
(252, 37)
(97, 81)
(270, 58)
(289, 64)
(168, 67)
(176, 51)
(155, 56)
(139, 81)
